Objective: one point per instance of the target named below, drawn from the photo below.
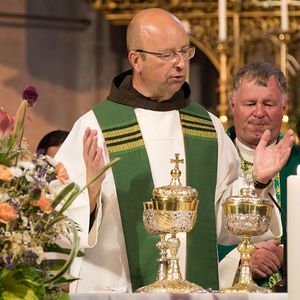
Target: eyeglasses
(187, 53)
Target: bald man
(147, 118)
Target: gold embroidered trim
(195, 126)
(123, 138)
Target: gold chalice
(173, 209)
(247, 215)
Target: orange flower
(7, 213)
(43, 203)
(5, 173)
(61, 172)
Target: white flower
(3, 197)
(55, 187)
(17, 172)
(25, 221)
(40, 253)
(27, 165)
(16, 248)
(29, 178)
(51, 160)
(26, 237)
(16, 237)
(7, 234)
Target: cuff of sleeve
(260, 185)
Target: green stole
(290, 168)
(134, 184)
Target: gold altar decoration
(247, 215)
(227, 32)
(173, 209)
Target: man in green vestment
(147, 118)
(258, 102)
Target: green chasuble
(134, 184)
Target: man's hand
(94, 162)
(266, 259)
(268, 161)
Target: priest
(258, 103)
(147, 118)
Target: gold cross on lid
(177, 161)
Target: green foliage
(22, 283)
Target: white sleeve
(227, 174)
(227, 268)
(71, 155)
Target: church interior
(70, 50)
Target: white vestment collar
(245, 152)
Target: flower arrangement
(35, 192)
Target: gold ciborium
(173, 209)
(247, 215)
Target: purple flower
(9, 262)
(30, 94)
(30, 257)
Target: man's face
(159, 78)
(257, 108)
(51, 151)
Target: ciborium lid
(175, 196)
(248, 195)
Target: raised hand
(94, 162)
(269, 160)
(266, 259)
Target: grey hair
(260, 72)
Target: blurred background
(71, 49)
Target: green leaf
(70, 199)
(61, 196)
(54, 264)
(63, 296)
(70, 259)
(57, 249)
(20, 119)
(22, 283)
(55, 220)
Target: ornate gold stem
(245, 283)
(246, 249)
(173, 266)
(162, 245)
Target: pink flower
(30, 94)
(7, 213)
(43, 203)
(6, 124)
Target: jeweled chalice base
(178, 286)
(245, 288)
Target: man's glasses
(186, 53)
